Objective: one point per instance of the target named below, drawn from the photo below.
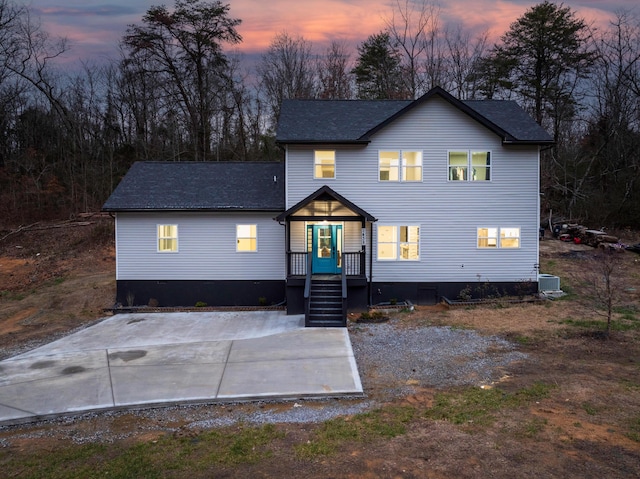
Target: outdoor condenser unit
(548, 282)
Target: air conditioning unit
(548, 282)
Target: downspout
(370, 263)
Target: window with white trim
(246, 238)
(469, 165)
(508, 237)
(398, 243)
(400, 165)
(324, 164)
(167, 238)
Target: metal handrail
(307, 290)
(344, 297)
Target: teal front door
(326, 248)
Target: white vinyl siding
(207, 247)
(447, 213)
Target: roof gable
(355, 121)
(220, 186)
(325, 193)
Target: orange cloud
(95, 31)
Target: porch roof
(323, 194)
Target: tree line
(179, 92)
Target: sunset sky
(94, 28)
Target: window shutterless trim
(253, 226)
(165, 238)
(397, 243)
(498, 238)
(400, 168)
(468, 169)
(316, 164)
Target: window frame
(172, 237)
(253, 228)
(317, 164)
(401, 167)
(469, 167)
(498, 237)
(398, 243)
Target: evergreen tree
(542, 59)
(378, 70)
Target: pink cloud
(95, 30)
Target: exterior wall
(448, 213)
(206, 248)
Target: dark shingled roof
(354, 121)
(334, 121)
(209, 186)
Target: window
(167, 238)
(387, 242)
(399, 243)
(480, 166)
(509, 237)
(411, 166)
(488, 237)
(463, 162)
(324, 164)
(246, 238)
(390, 165)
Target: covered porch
(328, 247)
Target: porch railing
(353, 263)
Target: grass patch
(477, 406)
(386, 422)
(590, 409)
(151, 460)
(523, 340)
(601, 324)
(11, 295)
(630, 385)
(534, 427)
(627, 313)
(634, 429)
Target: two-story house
(379, 200)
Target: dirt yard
(585, 424)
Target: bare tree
(287, 70)
(334, 77)
(603, 283)
(184, 48)
(464, 55)
(413, 29)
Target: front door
(326, 248)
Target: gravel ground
(393, 361)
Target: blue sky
(94, 28)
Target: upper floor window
(399, 243)
(167, 238)
(400, 165)
(498, 237)
(246, 238)
(469, 165)
(324, 164)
